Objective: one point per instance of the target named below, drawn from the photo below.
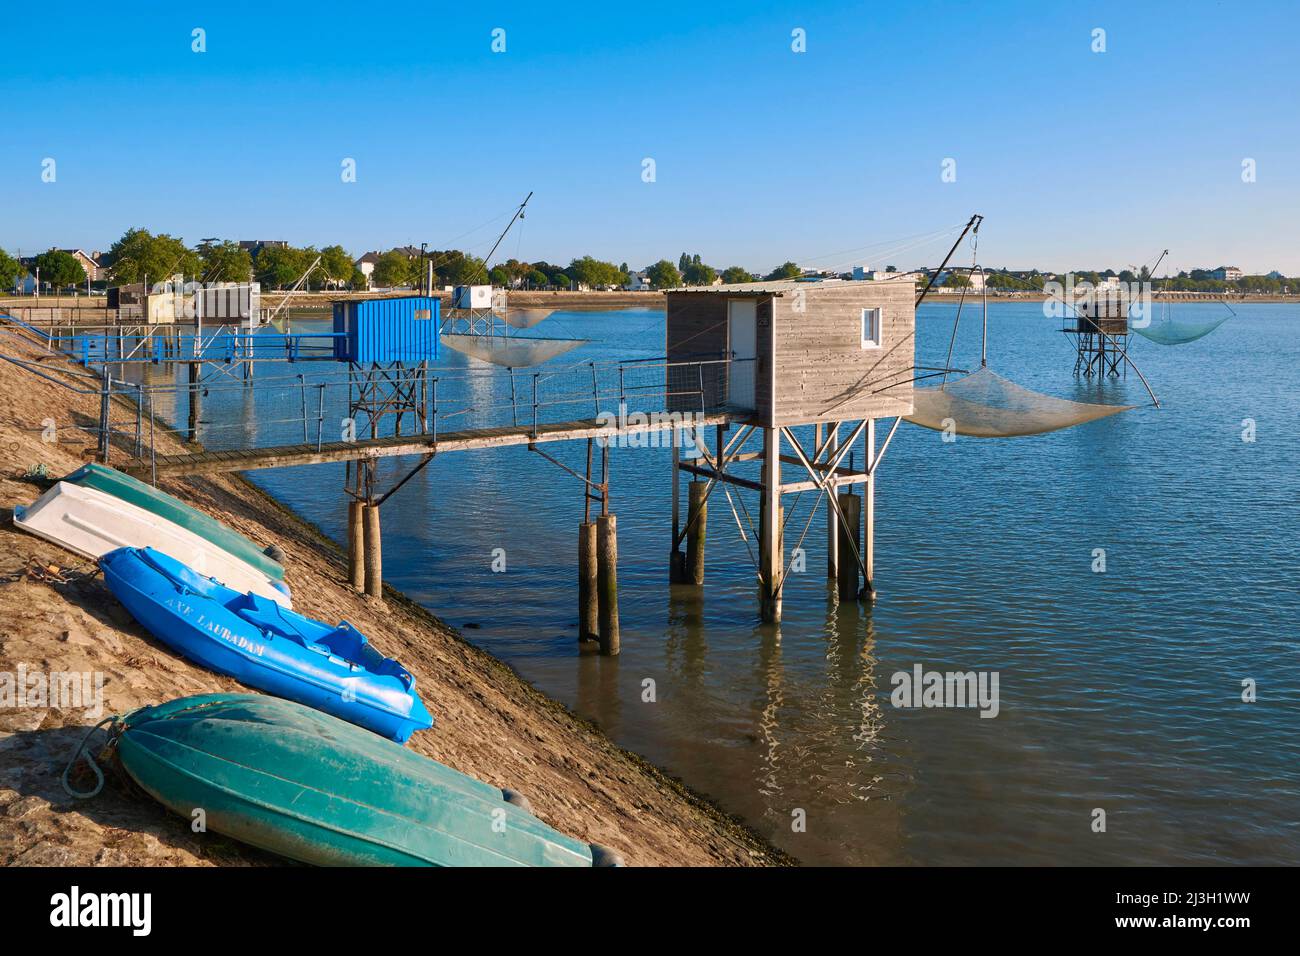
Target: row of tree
(140, 256)
(60, 269)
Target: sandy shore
(490, 722)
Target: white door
(742, 338)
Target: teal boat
(308, 786)
(115, 483)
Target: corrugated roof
(776, 287)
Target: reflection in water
(1119, 690)
(767, 638)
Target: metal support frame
(718, 468)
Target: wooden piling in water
(588, 583)
(869, 516)
(105, 420)
(771, 554)
(851, 507)
(676, 560)
(194, 401)
(697, 516)
(356, 546)
(373, 552)
(607, 582)
(832, 520)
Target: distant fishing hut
(387, 345)
(834, 355)
(1099, 325)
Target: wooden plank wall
(697, 331)
(822, 371)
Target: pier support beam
(770, 556)
(588, 583)
(356, 546)
(607, 582)
(697, 516)
(851, 507)
(194, 401)
(832, 521)
(374, 553)
(869, 514)
(676, 560)
(105, 417)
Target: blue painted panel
(387, 330)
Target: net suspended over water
(526, 318)
(509, 351)
(1169, 332)
(986, 405)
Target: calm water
(1118, 690)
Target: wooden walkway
(282, 456)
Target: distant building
(89, 262)
(638, 282)
(863, 274)
(1226, 273)
(25, 284)
(366, 264)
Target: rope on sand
(99, 774)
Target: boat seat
(266, 614)
(350, 644)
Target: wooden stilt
(607, 582)
(832, 522)
(769, 545)
(105, 420)
(869, 514)
(194, 402)
(676, 560)
(697, 515)
(356, 546)
(851, 507)
(588, 583)
(374, 553)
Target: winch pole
(974, 223)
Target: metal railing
(283, 408)
(424, 401)
(224, 344)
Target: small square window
(871, 328)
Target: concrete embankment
(57, 617)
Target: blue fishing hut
(386, 331)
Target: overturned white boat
(93, 523)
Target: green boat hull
(113, 482)
(300, 783)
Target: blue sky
(830, 157)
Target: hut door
(742, 341)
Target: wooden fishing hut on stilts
(838, 356)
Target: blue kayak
(264, 645)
